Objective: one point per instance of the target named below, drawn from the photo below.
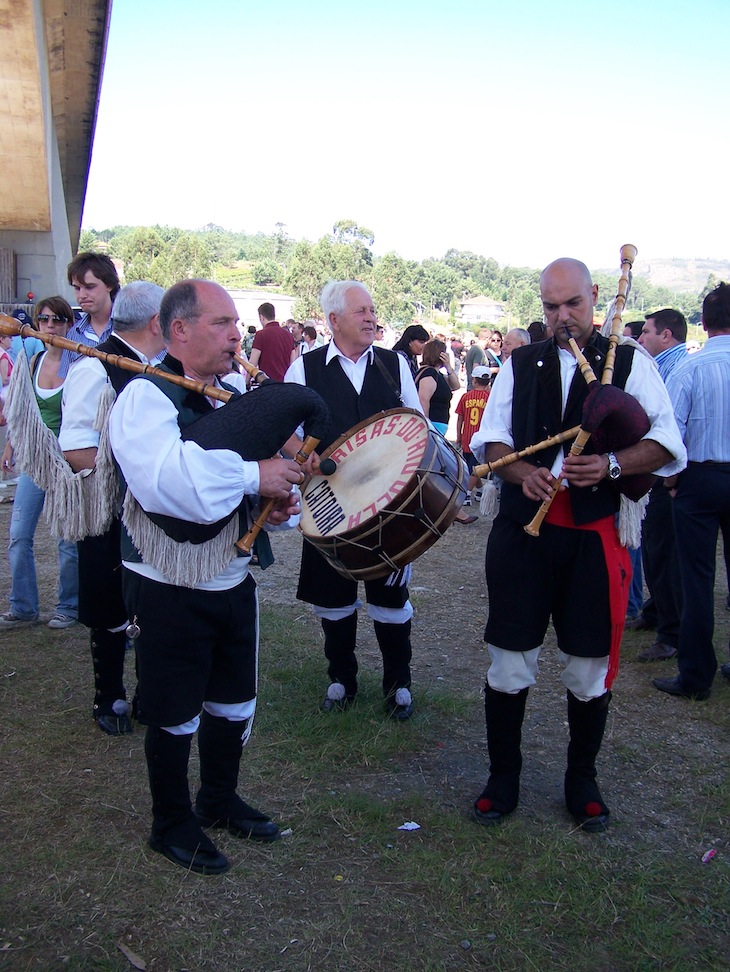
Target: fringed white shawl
(184, 564)
(77, 505)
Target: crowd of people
(162, 572)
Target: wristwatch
(614, 468)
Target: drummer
(575, 572)
(357, 380)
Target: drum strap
(389, 378)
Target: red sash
(618, 567)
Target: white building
(481, 310)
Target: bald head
(568, 298)
(567, 266)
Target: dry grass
(347, 891)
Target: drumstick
(487, 467)
(246, 542)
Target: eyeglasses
(44, 319)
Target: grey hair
(179, 303)
(135, 305)
(522, 334)
(332, 298)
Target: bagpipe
(611, 419)
(255, 425)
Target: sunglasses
(44, 319)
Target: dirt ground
(658, 752)
(661, 767)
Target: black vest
(347, 407)
(536, 406)
(119, 377)
(190, 406)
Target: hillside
(681, 274)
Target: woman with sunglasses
(493, 353)
(53, 316)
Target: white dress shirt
(355, 371)
(644, 383)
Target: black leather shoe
(114, 725)
(673, 686)
(401, 713)
(331, 703)
(484, 813)
(247, 823)
(399, 706)
(199, 861)
(725, 671)
(592, 823)
(334, 705)
(657, 652)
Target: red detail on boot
(593, 809)
(484, 805)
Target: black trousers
(701, 510)
(193, 647)
(661, 566)
(101, 604)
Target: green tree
(348, 231)
(140, 249)
(88, 241)
(392, 288)
(267, 272)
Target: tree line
(404, 290)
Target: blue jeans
(27, 508)
(636, 591)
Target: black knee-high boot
(587, 723)
(394, 641)
(504, 715)
(220, 743)
(175, 831)
(110, 710)
(340, 639)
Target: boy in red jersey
(469, 413)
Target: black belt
(720, 466)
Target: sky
(521, 131)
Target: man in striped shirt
(700, 390)
(94, 279)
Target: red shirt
(276, 345)
(471, 408)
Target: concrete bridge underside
(51, 63)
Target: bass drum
(396, 489)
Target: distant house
(481, 310)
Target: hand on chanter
(277, 476)
(538, 484)
(585, 470)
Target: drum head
(375, 462)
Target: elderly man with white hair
(516, 338)
(357, 380)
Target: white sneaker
(62, 621)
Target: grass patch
(346, 891)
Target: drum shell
(411, 523)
